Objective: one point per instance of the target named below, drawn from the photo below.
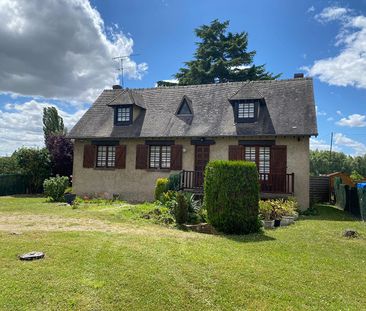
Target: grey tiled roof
(288, 109)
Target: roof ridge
(215, 84)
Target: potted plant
(277, 212)
(69, 196)
(265, 209)
(288, 217)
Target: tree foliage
(8, 165)
(221, 56)
(322, 162)
(53, 124)
(35, 164)
(60, 149)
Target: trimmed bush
(231, 195)
(161, 187)
(181, 209)
(55, 187)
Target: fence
(13, 184)
(319, 189)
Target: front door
(202, 156)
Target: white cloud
(320, 113)
(338, 112)
(331, 13)
(318, 144)
(348, 67)
(353, 120)
(310, 9)
(330, 119)
(21, 124)
(342, 140)
(60, 50)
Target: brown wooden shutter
(89, 156)
(142, 152)
(236, 152)
(121, 156)
(278, 159)
(176, 157)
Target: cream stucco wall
(138, 185)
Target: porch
(271, 185)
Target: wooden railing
(191, 180)
(269, 183)
(277, 183)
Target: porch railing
(269, 183)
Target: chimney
(298, 75)
(116, 87)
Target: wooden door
(202, 156)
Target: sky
(60, 53)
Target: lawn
(106, 257)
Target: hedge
(231, 196)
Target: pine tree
(221, 56)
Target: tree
(355, 176)
(322, 162)
(221, 56)
(53, 124)
(8, 165)
(35, 164)
(60, 149)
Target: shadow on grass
(19, 196)
(329, 212)
(248, 238)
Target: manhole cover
(31, 256)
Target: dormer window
(185, 108)
(123, 115)
(246, 111)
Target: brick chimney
(298, 75)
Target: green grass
(133, 264)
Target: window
(261, 156)
(250, 154)
(159, 157)
(246, 111)
(184, 108)
(264, 160)
(123, 115)
(106, 156)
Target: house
(131, 137)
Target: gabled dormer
(127, 105)
(246, 104)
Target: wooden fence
(319, 189)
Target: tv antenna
(121, 59)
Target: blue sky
(63, 57)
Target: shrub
(265, 209)
(231, 195)
(173, 183)
(161, 187)
(181, 209)
(55, 187)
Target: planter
(277, 222)
(69, 198)
(268, 224)
(296, 216)
(287, 220)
